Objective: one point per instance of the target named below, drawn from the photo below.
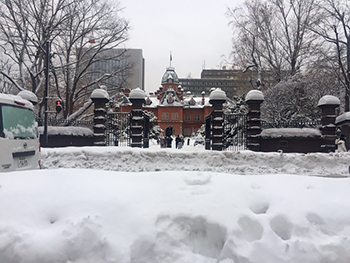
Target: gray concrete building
(119, 69)
(233, 82)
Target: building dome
(170, 76)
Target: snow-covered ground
(110, 204)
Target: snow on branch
(79, 112)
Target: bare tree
(334, 27)
(90, 38)
(273, 35)
(247, 52)
(26, 26)
(6, 69)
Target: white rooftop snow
(328, 100)
(99, 94)
(254, 95)
(11, 99)
(28, 95)
(111, 204)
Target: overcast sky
(195, 31)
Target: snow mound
(195, 159)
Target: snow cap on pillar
(328, 100)
(137, 94)
(254, 95)
(99, 94)
(345, 117)
(217, 94)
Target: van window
(18, 123)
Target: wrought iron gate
(208, 132)
(235, 132)
(146, 131)
(118, 129)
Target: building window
(175, 116)
(165, 116)
(197, 117)
(187, 117)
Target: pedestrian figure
(340, 143)
(162, 141)
(177, 140)
(169, 140)
(181, 142)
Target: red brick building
(177, 113)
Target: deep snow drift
(188, 205)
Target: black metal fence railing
(235, 132)
(291, 124)
(118, 129)
(64, 122)
(146, 131)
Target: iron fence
(65, 122)
(118, 129)
(235, 132)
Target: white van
(19, 139)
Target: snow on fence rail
(291, 124)
(64, 122)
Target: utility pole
(47, 65)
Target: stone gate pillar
(254, 98)
(217, 98)
(99, 97)
(328, 105)
(137, 98)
